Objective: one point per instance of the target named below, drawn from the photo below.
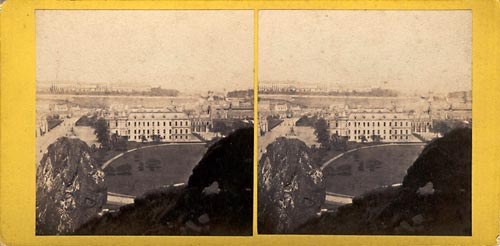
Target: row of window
(381, 137)
(374, 132)
(147, 123)
(164, 137)
(367, 124)
(175, 131)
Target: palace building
(149, 125)
(372, 125)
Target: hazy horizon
(187, 50)
(402, 50)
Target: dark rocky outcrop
(70, 188)
(435, 198)
(291, 188)
(217, 200)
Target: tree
(102, 133)
(156, 138)
(339, 142)
(363, 138)
(376, 138)
(322, 133)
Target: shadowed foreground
(216, 201)
(435, 198)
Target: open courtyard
(152, 167)
(362, 170)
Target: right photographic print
(365, 122)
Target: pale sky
(411, 50)
(185, 50)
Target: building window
(163, 123)
(384, 123)
(187, 123)
(164, 131)
(135, 123)
(176, 123)
(129, 123)
(390, 123)
(148, 123)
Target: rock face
(218, 199)
(446, 163)
(435, 198)
(291, 188)
(70, 188)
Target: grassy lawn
(145, 169)
(366, 169)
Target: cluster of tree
(273, 121)
(374, 92)
(155, 91)
(158, 91)
(325, 139)
(53, 121)
(227, 126)
(444, 126)
(306, 121)
(240, 93)
(107, 140)
(86, 120)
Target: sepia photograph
(365, 122)
(144, 122)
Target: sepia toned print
(365, 122)
(144, 122)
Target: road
(284, 130)
(63, 129)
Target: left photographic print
(144, 122)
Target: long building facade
(375, 125)
(164, 126)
